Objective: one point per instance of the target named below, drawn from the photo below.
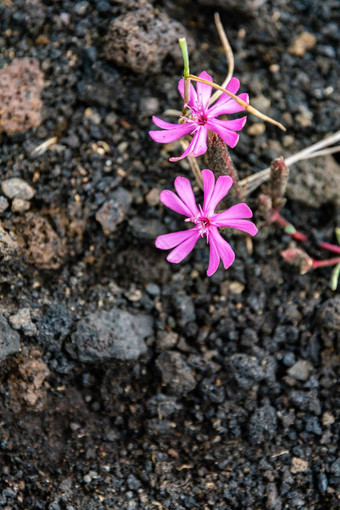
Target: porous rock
(113, 334)
(21, 84)
(140, 40)
(262, 424)
(248, 370)
(176, 373)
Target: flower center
(202, 223)
(198, 113)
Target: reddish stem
(329, 247)
(325, 263)
(275, 217)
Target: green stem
(184, 49)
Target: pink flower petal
(171, 200)
(162, 124)
(226, 104)
(185, 192)
(182, 250)
(197, 146)
(208, 187)
(168, 241)
(229, 137)
(233, 85)
(233, 213)
(170, 135)
(214, 257)
(204, 90)
(232, 125)
(222, 186)
(193, 95)
(244, 225)
(224, 249)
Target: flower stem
(184, 49)
(275, 217)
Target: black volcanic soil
(126, 382)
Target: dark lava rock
(328, 316)
(9, 339)
(176, 374)
(262, 424)
(114, 334)
(248, 370)
(114, 210)
(185, 308)
(306, 401)
(140, 40)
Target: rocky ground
(126, 382)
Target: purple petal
(170, 135)
(193, 96)
(168, 241)
(224, 249)
(231, 125)
(244, 225)
(204, 90)
(214, 258)
(222, 186)
(197, 146)
(162, 124)
(233, 213)
(226, 104)
(233, 85)
(182, 250)
(208, 187)
(171, 200)
(184, 191)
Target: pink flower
(203, 118)
(205, 219)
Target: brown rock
(21, 84)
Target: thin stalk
(239, 101)
(325, 263)
(184, 49)
(255, 180)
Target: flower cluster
(206, 221)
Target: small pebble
(153, 289)
(256, 129)
(149, 105)
(327, 419)
(298, 465)
(152, 198)
(302, 43)
(301, 370)
(17, 188)
(3, 204)
(20, 205)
